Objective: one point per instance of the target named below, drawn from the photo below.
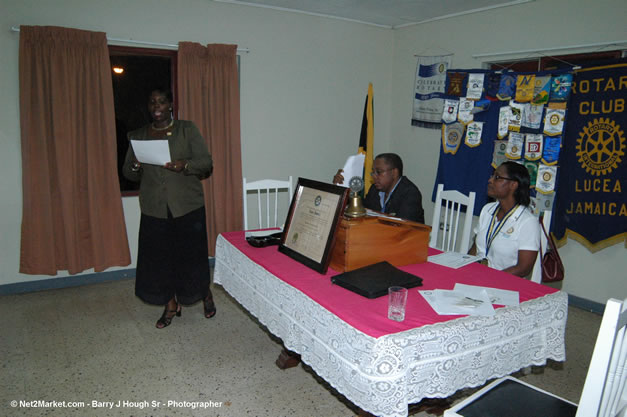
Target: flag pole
(366, 140)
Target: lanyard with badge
(496, 226)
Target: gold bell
(355, 207)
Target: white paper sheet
(354, 167)
(453, 259)
(155, 152)
(497, 295)
(262, 233)
(381, 215)
(447, 302)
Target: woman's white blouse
(521, 231)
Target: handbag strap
(551, 243)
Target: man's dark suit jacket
(405, 202)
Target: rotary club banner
(515, 145)
(475, 86)
(525, 85)
(452, 137)
(449, 114)
(545, 179)
(554, 121)
(494, 126)
(428, 90)
(465, 113)
(473, 134)
(505, 113)
(533, 146)
(467, 149)
(541, 90)
(591, 201)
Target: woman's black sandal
(166, 317)
(210, 307)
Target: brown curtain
(208, 92)
(72, 216)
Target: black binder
(263, 241)
(373, 281)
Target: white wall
(303, 87)
(540, 24)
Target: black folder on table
(373, 281)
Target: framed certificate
(309, 232)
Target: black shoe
(167, 316)
(210, 307)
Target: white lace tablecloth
(383, 375)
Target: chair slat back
(448, 213)
(604, 390)
(266, 190)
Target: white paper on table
(262, 233)
(354, 167)
(475, 304)
(155, 152)
(497, 295)
(447, 302)
(382, 215)
(429, 296)
(453, 259)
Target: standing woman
(172, 260)
(508, 234)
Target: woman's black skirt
(173, 259)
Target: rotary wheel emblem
(600, 146)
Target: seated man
(391, 192)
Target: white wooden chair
(269, 191)
(604, 392)
(536, 274)
(447, 217)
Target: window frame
(543, 63)
(172, 54)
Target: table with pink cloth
(381, 365)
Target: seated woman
(391, 193)
(508, 234)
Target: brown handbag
(552, 266)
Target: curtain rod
(164, 45)
(526, 51)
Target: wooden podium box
(367, 240)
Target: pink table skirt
(370, 315)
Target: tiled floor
(97, 343)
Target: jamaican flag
(366, 139)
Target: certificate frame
(310, 228)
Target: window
(143, 70)
(557, 62)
